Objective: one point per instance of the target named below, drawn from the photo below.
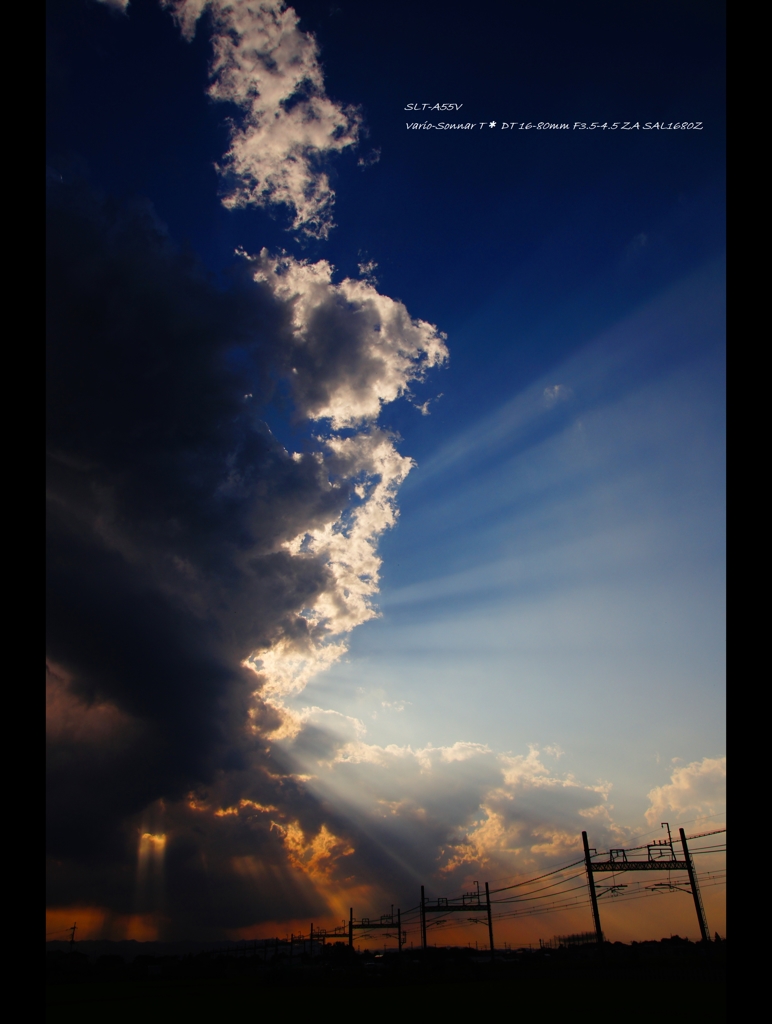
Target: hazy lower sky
(386, 448)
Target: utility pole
(351, 927)
(384, 923)
(705, 934)
(490, 922)
(466, 904)
(619, 861)
(591, 885)
(72, 936)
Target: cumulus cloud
(441, 815)
(267, 68)
(353, 349)
(348, 351)
(695, 790)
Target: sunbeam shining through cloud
(384, 466)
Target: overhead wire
(560, 899)
(538, 878)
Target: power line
(538, 878)
(528, 898)
(553, 897)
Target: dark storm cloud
(168, 502)
(183, 539)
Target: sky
(385, 459)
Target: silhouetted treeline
(337, 964)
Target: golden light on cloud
(696, 790)
(319, 858)
(224, 812)
(316, 858)
(150, 871)
(150, 855)
(152, 842)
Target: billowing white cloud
(347, 546)
(268, 68)
(351, 350)
(458, 809)
(426, 758)
(695, 790)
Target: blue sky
(557, 573)
(456, 489)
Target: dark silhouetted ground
(631, 983)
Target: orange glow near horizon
(659, 917)
(320, 861)
(283, 929)
(100, 923)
